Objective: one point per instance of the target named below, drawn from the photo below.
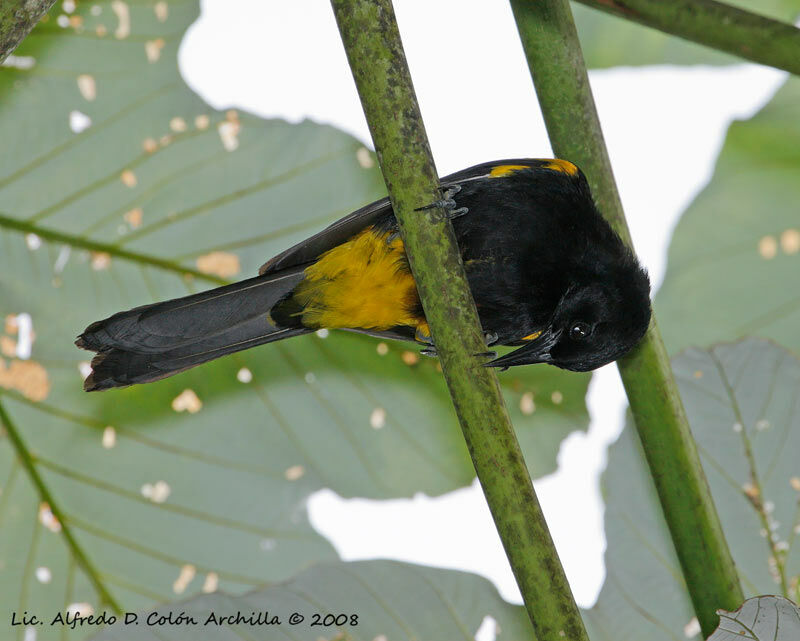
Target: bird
(547, 272)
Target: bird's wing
(308, 250)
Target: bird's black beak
(536, 351)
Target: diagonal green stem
(17, 18)
(562, 85)
(716, 25)
(378, 63)
(26, 458)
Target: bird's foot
(429, 351)
(447, 203)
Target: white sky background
(664, 127)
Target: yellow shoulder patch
(505, 170)
(531, 337)
(364, 283)
(564, 166)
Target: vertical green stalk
(372, 41)
(562, 85)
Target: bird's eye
(579, 331)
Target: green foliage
(741, 400)
(116, 216)
(734, 257)
(390, 601)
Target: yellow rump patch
(530, 337)
(505, 170)
(364, 283)
(564, 166)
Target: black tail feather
(155, 341)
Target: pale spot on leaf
(128, 178)
(100, 261)
(185, 577)
(157, 492)
(294, 472)
(322, 333)
(768, 247)
(87, 87)
(795, 483)
(27, 377)
(161, 10)
(62, 21)
(80, 609)
(762, 424)
(79, 121)
(101, 30)
(382, 349)
(85, 368)
(691, 629)
(409, 357)
(202, 121)
(187, 401)
(109, 437)
(211, 582)
(557, 397)
(8, 346)
(177, 124)
(365, 158)
(244, 375)
(48, 519)
(134, 217)
(310, 378)
(790, 241)
(124, 19)
(377, 419)
(152, 49)
(33, 241)
(149, 145)
(229, 134)
(526, 404)
(222, 264)
(43, 574)
(76, 22)
(698, 374)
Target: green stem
(26, 458)
(554, 56)
(378, 63)
(17, 18)
(55, 236)
(716, 25)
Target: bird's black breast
(525, 238)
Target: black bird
(546, 271)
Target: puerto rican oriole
(546, 271)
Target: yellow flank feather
(505, 170)
(564, 166)
(364, 283)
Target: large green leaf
(764, 618)
(742, 403)
(116, 215)
(373, 600)
(609, 41)
(735, 256)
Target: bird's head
(598, 319)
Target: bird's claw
(429, 351)
(447, 203)
(490, 338)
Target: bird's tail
(155, 341)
